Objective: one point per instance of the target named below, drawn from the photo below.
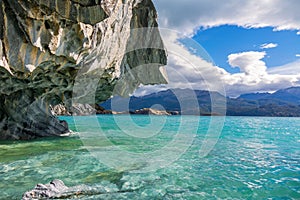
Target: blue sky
(233, 47)
(224, 40)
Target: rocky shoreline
(87, 109)
(78, 110)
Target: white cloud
(249, 62)
(288, 69)
(268, 46)
(255, 76)
(297, 55)
(187, 16)
(186, 70)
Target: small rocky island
(49, 49)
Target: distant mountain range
(283, 103)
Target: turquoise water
(254, 158)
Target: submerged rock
(68, 52)
(56, 189)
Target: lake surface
(162, 157)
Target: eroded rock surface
(68, 52)
(78, 109)
(56, 189)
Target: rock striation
(68, 52)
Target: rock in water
(71, 51)
(55, 189)
(151, 111)
(78, 110)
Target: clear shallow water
(255, 158)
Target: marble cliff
(61, 51)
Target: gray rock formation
(78, 109)
(87, 109)
(150, 111)
(69, 52)
(59, 110)
(56, 189)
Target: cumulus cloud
(249, 62)
(255, 76)
(187, 16)
(297, 55)
(187, 69)
(268, 46)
